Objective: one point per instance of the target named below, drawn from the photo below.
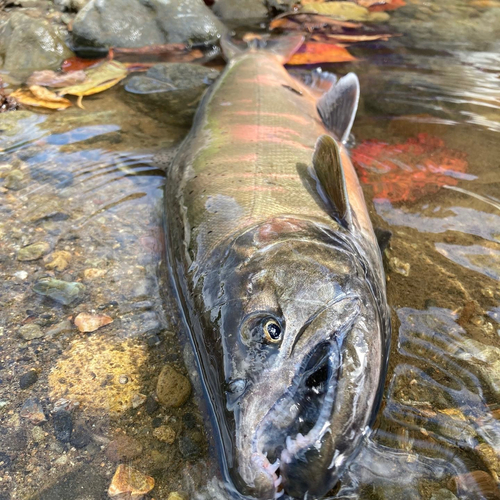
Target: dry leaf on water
(49, 78)
(309, 22)
(318, 53)
(87, 322)
(40, 97)
(99, 78)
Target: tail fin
(283, 47)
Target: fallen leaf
(78, 63)
(345, 11)
(309, 22)
(49, 78)
(99, 78)
(408, 171)
(381, 5)
(59, 260)
(346, 38)
(87, 322)
(318, 53)
(40, 97)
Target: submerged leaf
(347, 38)
(49, 78)
(78, 63)
(318, 53)
(407, 171)
(347, 11)
(40, 97)
(99, 78)
(87, 322)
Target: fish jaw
(302, 444)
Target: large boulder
(29, 43)
(137, 23)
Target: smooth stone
(33, 252)
(229, 10)
(165, 434)
(29, 43)
(14, 180)
(173, 389)
(28, 379)
(170, 91)
(136, 23)
(123, 449)
(61, 291)
(63, 426)
(31, 331)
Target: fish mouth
(300, 419)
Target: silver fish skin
(278, 275)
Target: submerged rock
(28, 379)
(242, 9)
(33, 252)
(129, 483)
(29, 43)
(135, 23)
(61, 291)
(32, 410)
(123, 449)
(171, 91)
(173, 389)
(31, 331)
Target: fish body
(279, 278)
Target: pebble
(62, 327)
(60, 260)
(87, 322)
(175, 496)
(80, 437)
(61, 291)
(398, 266)
(165, 434)
(191, 445)
(152, 405)
(93, 273)
(5, 460)
(28, 379)
(138, 400)
(173, 389)
(14, 180)
(63, 425)
(129, 483)
(31, 331)
(32, 410)
(21, 275)
(62, 460)
(189, 421)
(33, 252)
(123, 449)
(38, 434)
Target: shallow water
(89, 187)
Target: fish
(277, 273)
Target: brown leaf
(40, 97)
(87, 322)
(48, 78)
(317, 53)
(347, 38)
(309, 22)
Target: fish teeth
(290, 445)
(285, 456)
(274, 467)
(278, 481)
(300, 438)
(278, 494)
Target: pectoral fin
(327, 165)
(338, 106)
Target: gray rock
(30, 331)
(30, 43)
(229, 10)
(137, 23)
(14, 180)
(61, 291)
(170, 91)
(28, 379)
(32, 410)
(33, 252)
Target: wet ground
(82, 184)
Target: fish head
(303, 348)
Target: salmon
(278, 274)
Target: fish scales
(254, 135)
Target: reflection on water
(83, 183)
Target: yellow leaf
(40, 97)
(99, 78)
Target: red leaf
(78, 63)
(317, 53)
(410, 170)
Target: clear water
(89, 188)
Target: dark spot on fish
(292, 89)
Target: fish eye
(272, 331)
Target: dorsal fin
(283, 47)
(338, 106)
(329, 173)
